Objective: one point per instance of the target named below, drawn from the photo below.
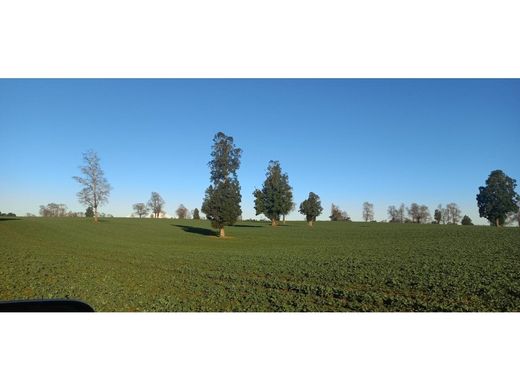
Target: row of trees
(156, 206)
(497, 201)
(60, 210)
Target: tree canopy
(156, 204)
(311, 207)
(222, 200)
(96, 188)
(275, 197)
(497, 198)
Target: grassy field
(170, 265)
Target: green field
(173, 265)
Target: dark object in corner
(45, 305)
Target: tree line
(497, 200)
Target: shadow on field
(9, 219)
(197, 230)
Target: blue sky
(385, 141)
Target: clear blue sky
(384, 141)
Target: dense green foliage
(89, 213)
(222, 200)
(466, 220)
(169, 265)
(275, 198)
(311, 207)
(497, 198)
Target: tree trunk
(284, 219)
(95, 215)
(273, 222)
(310, 223)
(221, 233)
(497, 223)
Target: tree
(419, 213)
(89, 213)
(311, 207)
(437, 216)
(400, 212)
(336, 214)
(141, 209)
(453, 213)
(515, 216)
(275, 198)
(396, 214)
(222, 200)
(196, 214)
(413, 212)
(53, 210)
(424, 214)
(393, 214)
(182, 212)
(466, 220)
(156, 205)
(96, 189)
(368, 212)
(497, 198)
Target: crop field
(179, 265)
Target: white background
(263, 39)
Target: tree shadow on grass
(197, 230)
(2, 219)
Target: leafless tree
(393, 214)
(96, 189)
(514, 217)
(53, 210)
(368, 212)
(156, 204)
(140, 209)
(401, 213)
(413, 212)
(453, 213)
(419, 213)
(182, 212)
(424, 214)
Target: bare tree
(419, 213)
(513, 217)
(141, 209)
(368, 212)
(424, 214)
(96, 189)
(156, 204)
(401, 213)
(53, 210)
(182, 212)
(393, 214)
(453, 213)
(396, 214)
(413, 212)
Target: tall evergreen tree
(497, 198)
(196, 214)
(222, 201)
(311, 207)
(275, 198)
